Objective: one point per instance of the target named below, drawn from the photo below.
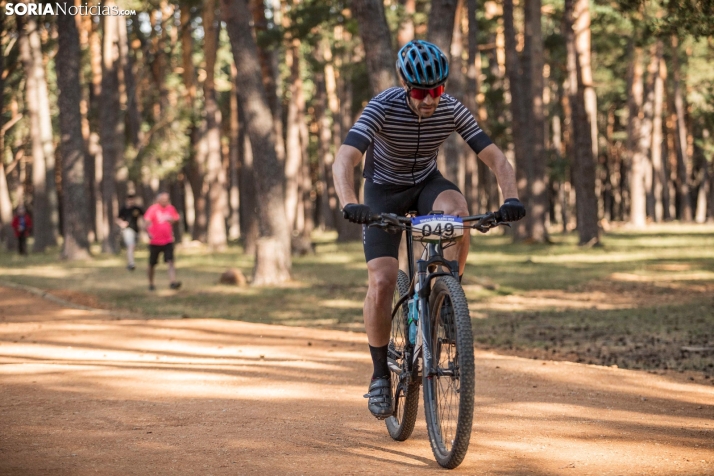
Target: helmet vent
(422, 64)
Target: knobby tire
(449, 395)
(405, 392)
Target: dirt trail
(84, 393)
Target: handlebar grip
(497, 216)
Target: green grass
(635, 302)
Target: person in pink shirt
(159, 219)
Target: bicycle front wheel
(405, 391)
(449, 386)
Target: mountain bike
(431, 343)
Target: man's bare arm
(496, 161)
(343, 172)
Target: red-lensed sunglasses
(422, 93)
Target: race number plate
(435, 227)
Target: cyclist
(401, 130)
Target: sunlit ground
(86, 393)
(637, 302)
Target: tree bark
(684, 165)
(519, 114)
(43, 153)
(272, 263)
(659, 179)
(293, 155)
(325, 157)
(536, 162)
(249, 207)
(216, 174)
(133, 115)
(472, 89)
(6, 232)
(269, 75)
(440, 27)
(635, 140)
(377, 42)
(110, 123)
(583, 172)
(74, 193)
(195, 168)
(452, 149)
(235, 159)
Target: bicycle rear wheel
(405, 392)
(449, 392)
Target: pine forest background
(237, 108)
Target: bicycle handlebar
(390, 220)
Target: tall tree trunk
(684, 161)
(658, 171)
(216, 174)
(334, 131)
(43, 153)
(6, 233)
(635, 139)
(269, 75)
(248, 201)
(406, 29)
(582, 46)
(109, 129)
(195, 169)
(440, 28)
(235, 159)
(538, 190)
(133, 116)
(646, 132)
(453, 150)
(74, 192)
(325, 156)
(519, 113)
(307, 207)
(377, 42)
(472, 89)
(293, 155)
(583, 162)
(272, 263)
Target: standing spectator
(159, 219)
(128, 221)
(22, 224)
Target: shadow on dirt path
(85, 393)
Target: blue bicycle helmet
(422, 65)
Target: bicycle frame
(422, 277)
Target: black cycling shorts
(156, 250)
(398, 199)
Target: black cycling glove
(512, 210)
(356, 213)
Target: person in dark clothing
(128, 221)
(22, 224)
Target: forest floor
(644, 300)
(89, 392)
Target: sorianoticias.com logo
(65, 9)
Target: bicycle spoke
(447, 380)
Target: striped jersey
(402, 150)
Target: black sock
(379, 360)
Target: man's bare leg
(378, 323)
(130, 254)
(171, 271)
(378, 303)
(453, 203)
